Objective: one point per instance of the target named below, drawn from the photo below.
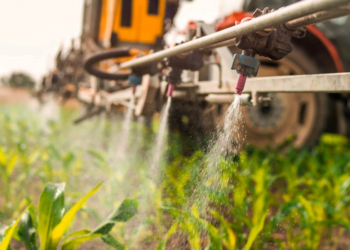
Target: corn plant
(276, 198)
(298, 199)
(50, 221)
(29, 159)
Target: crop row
(280, 198)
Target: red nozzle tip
(240, 83)
(170, 90)
(133, 90)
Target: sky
(205, 10)
(31, 31)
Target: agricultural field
(277, 198)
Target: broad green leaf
(6, 241)
(61, 228)
(51, 208)
(26, 231)
(110, 241)
(127, 209)
(76, 242)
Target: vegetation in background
(18, 80)
(267, 199)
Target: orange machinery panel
(134, 21)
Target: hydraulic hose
(89, 63)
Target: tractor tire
(301, 117)
(297, 117)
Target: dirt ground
(11, 96)
(14, 95)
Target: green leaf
(3, 158)
(51, 208)
(68, 159)
(109, 240)
(34, 157)
(126, 210)
(26, 231)
(33, 214)
(76, 242)
(171, 231)
(61, 228)
(9, 233)
(256, 229)
(96, 155)
(79, 233)
(184, 217)
(54, 152)
(11, 164)
(3, 231)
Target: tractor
(117, 31)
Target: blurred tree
(18, 80)
(3, 80)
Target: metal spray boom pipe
(277, 17)
(318, 17)
(298, 23)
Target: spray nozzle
(133, 90)
(240, 83)
(246, 65)
(134, 81)
(174, 77)
(170, 90)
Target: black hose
(100, 56)
(89, 115)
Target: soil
(14, 95)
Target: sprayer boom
(280, 16)
(266, 33)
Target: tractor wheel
(302, 116)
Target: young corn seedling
(45, 228)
